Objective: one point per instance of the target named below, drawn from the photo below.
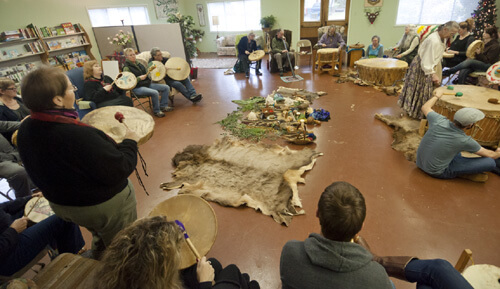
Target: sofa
(226, 45)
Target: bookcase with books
(66, 46)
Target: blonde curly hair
(143, 255)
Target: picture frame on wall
(201, 14)
(374, 3)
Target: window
(113, 16)
(434, 11)
(242, 15)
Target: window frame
(146, 6)
(215, 30)
(417, 24)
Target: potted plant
(267, 22)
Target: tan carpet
(406, 137)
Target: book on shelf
(17, 72)
(68, 28)
(70, 60)
(76, 40)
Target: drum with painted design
(159, 72)
(38, 209)
(127, 81)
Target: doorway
(318, 13)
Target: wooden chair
(304, 43)
(30, 265)
(464, 259)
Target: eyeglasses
(75, 88)
(11, 88)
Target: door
(318, 13)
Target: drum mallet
(457, 94)
(120, 117)
(34, 205)
(117, 77)
(188, 241)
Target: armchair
(271, 62)
(82, 106)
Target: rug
(235, 173)
(291, 78)
(215, 63)
(406, 137)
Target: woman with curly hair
(147, 255)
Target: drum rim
(126, 73)
(158, 64)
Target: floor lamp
(215, 22)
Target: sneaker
(247, 75)
(159, 114)
(196, 98)
(446, 73)
(480, 178)
(281, 72)
(166, 109)
(258, 72)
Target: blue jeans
(468, 66)
(461, 166)
(152, 91)
(59, 234)
(435, 274)
(184, 86)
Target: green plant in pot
(267, 21)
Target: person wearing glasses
(12, 107)
(82, 172)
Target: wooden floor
(409, 213)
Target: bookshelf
(66, 46)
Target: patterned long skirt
(416, 91)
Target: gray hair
(251, 34)
(449, 25)
(332, 27)
(127, 50)
(154, 50)
(376, 36)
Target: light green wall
(15, 14)
(18, 13)
(286, 12)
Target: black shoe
(247, 75)
(258, 72)
(496, 170)
(196, 98)
(446, 73)
(281, 72)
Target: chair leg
(423, 127)
(139, 101)
(463, 260)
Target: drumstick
(458, 94)
(176, 68)
(26, 215)
(120, 117)
(188, 241)
(117, 77)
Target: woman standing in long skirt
(423, 74)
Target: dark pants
(435, 274)
(59, 234)
(246, 63)
(463, 166)
(467, 67)
(17, 177)
(225, 278)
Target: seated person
(19, 245)
(98, 88)
(332, 260)
(145, 86)
(246, 46)
(280, 52)
(407, 47)
(375, 49)
(331, 39)
(439, 151)
(483, 61)
(12, 107)
(139, 259)
(459, 46)
(10, 167)
(184, 86)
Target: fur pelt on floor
(235, 173)
(406, 137)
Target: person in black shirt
(461, 43)
(246, 46)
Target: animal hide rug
(406, 137)
(235, 173)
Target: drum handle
(476, 126)
(26, 215)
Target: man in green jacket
(280, 51)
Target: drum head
(40, 212)
(128, 81)
(471, 51)
(199, 220)
(493, 73)
(256, 55)
(159, 72)
(177, 68)
(483, 276)
(137, 120)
